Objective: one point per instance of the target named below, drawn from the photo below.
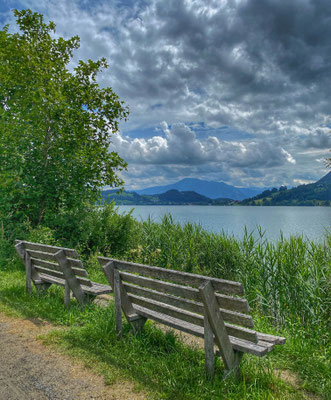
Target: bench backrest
(176, 294)
(44, 261)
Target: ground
(31, 371)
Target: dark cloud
(262, 67)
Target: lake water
(311, 222)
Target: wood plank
(126, 304)
(222, 285)
(226, 302)
(66, 294)
(40, 255)
(271, 338)
(96, 290)
(217, 324)
(188, 305)
(166, 309)
(28, 272)
(56, 267)
(248, 347)
(22, 254)
(70, 277)
(236, 331)
(59, 274)
(48, 249)
(51, 279)
(237, 344)
(209, 348)
(118, 307)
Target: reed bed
(287, 281)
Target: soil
(31, 371)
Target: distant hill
(171, 197)
(313, 194)
(210, 189)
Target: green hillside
(313, 194)
(171, 197)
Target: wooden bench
(210, 308)
(46, 265)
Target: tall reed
(287, 281)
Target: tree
(55, 124)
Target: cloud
(260, 67)
(319, 139)
(179, 145)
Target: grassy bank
(287, 284)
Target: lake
(311, 222)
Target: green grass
(159, 362)
(287, 284)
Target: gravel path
(31, 371)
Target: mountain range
(318, 193)
(171, 197)
(211, 189)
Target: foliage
(55, 125)
(314, 194)
(106, 231)
(286, 281)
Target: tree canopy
(56, 123)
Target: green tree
(55, 123)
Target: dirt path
(31, 371)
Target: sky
(236, 91)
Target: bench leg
(66, 295)
(138, 324)
(42, 287)
(209, 349)
(238, 355)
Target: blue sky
(235, 91)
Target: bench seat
(261, 348)
(46, 265)
(210, 308)
(96, 289)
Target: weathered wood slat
(209, 348)
(185, 278)
(59, 274)
(93, 290)
(50, 279)
(70, 277)
(48, 249)
(118, 306)
(271, 338)
(56, 267)
(40, 255)
(237, 344)
(226, 302)
(188, 305)
(217, 324)
(190, 317)
(166, 309)
(96, 290)
(126, 304)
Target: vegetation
(314, 194)
(55, 130)
(55, 125)
(287, 284)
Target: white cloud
(179, 145)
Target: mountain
(313, 194)
(210, 189)
(171, 197)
